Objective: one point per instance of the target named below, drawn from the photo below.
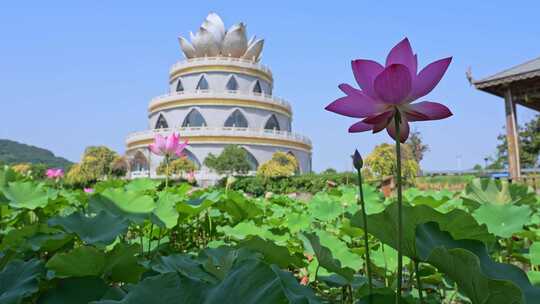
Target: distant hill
(12, 152)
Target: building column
(512, 137)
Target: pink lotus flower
(88, 190)
(304, 280)
(389, 89)
(168, 145)
(54, 173)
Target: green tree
(176, 166)
(233, 159)
(417, 147)
(529, 146)
(382, 162)
(96, 164)
(281, 164)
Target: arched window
(179, 86)
(232, 84)
(192, 158)
(139, 162)
(194, 119)
(161, 122)
(257, 87)
(202, 84)
(272, 123)
(237, 119)
(253, 163)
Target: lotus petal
(403, 130)
(204, 44)
(355, 104)
(235, 41)
(402, 54)
(429, 77)
(215, 26)
(187, 48)
(254, 50)
(360, 127)
(171, 143)
(427, 110)
(393, 85)
(365, 72)
(154, 149)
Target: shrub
(282, 164)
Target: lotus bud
(358, 163)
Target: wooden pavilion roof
(523, 80)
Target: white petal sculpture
(213, 40)
(235, 41)
(187, 48)
(215, 25)
(205, 44)
(254, 50)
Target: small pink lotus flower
(168, 145)
(54, 173)
(304, 281)
(389, 89)
(88, 190)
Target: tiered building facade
(219, 95)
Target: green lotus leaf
(467, 262)
(168, 288)
(253, 281)
(273, 254)
(75, 290)
(297, 222)
(142, 185)
(503, 220)
(26, 195)
(48, 242)
(534, 253)
(185, 265)
(35, 237)
(238, 207)
(166, 212)
(19, 280)
(325, 258)
(459, 223)
(122, 265)
(101, 229)
(80, 262)
(134, 206)
(340, 250)
(324, 207)
(244, 229)
(197, 205)
(489, 191)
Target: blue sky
(80, 73)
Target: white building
(219, 95)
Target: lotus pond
(138, 242)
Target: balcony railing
(220, 131)
(207, 94)
(203, 61)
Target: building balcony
(220, 64)
(225, 98)
(225, 135)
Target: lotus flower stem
(397, 120)
(365, 227)
(418, 281)
(150, 238)
(166, 171)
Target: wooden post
(512, 138)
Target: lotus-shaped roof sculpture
(212, 40)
